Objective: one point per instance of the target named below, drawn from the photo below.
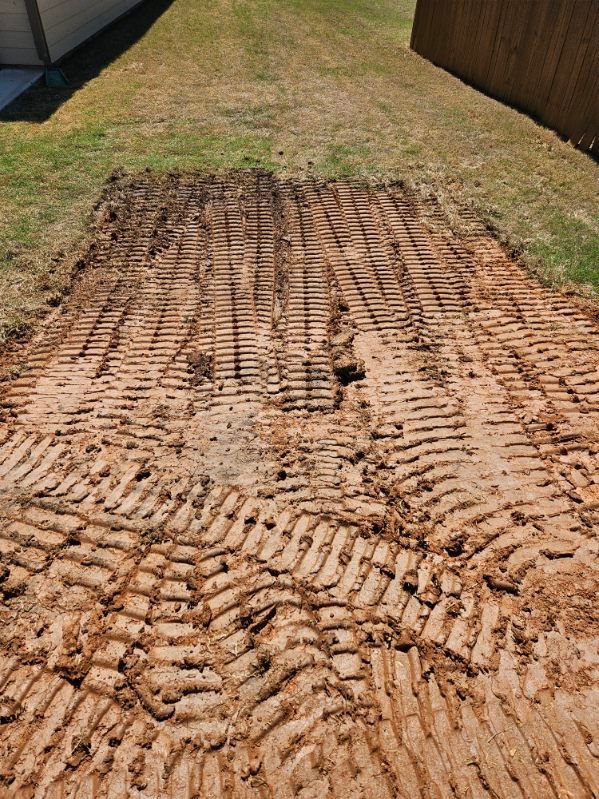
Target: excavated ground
(297, 500)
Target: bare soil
(297, 499)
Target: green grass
(321, 86)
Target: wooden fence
(541, 56)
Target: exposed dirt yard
(298, 498)
(299, 86)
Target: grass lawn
(297, 86)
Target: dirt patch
(297, 498)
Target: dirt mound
(297, 495)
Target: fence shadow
(39, 102)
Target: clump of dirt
(200, 366)
(347, 368)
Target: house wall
(16, 40)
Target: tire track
(297, 499)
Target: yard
(294, 86)
(298, 477)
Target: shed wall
(68, 23)
(16, 40)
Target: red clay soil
(297, 499)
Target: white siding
(16, 40)
(68, 23)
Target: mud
(298, 499)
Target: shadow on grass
(39, 102)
